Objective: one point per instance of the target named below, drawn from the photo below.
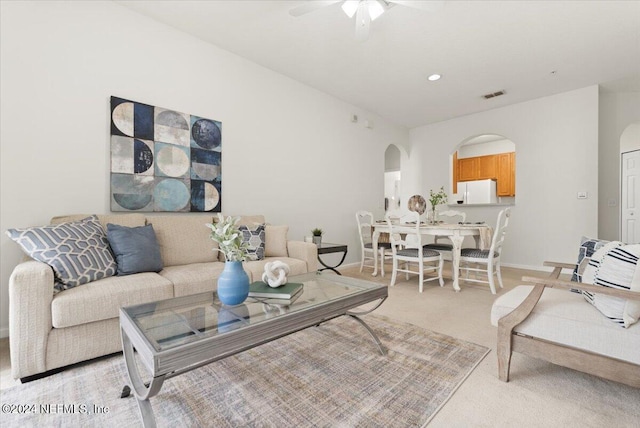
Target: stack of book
(284, 295)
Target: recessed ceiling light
(434, 77)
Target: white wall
(482, 149)
(617, 111)
(556, 140)
(290, 152)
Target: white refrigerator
(478, 192)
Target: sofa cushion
(77, 251)
(615, 266)
(136, 248)
(254, 237)
(184, 239)
(563, 317)
(101, 300)
(255, 269)
(275, 244)
(194, 278)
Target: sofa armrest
(557, 268)
(306, 251)
(30, 296)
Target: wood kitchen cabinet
(506, 174)
(468, 169)
(500, 167)
(487, 167)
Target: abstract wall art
(164, 160)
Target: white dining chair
(452, 217)
(365, 229)
(487, 262)
(407, 247)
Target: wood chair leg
(421, 275)
(499, 275)
(504, 354)
(382, 262)
(440, 266)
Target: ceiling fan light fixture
(375, 9)
(350, 7)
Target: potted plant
(233, 283)
(317, 236)
(436, 199)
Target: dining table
(481, 232)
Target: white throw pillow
(615, 266)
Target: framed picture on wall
(164, 160)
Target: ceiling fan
(365, 11)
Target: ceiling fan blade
(363, 22)
(310, 6)
(428, 5)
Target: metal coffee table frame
(165, 364)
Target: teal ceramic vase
(233, 284)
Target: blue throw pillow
(78, 251)
(136, 248)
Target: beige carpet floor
(539, 394)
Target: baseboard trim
(4, 332)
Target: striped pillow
(615, 266)
(77, 251)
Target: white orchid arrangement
(229, 238)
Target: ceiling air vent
(495, 94)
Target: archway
(485, 157)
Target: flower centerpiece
(436, 199)
(233, 283)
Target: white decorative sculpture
(275, 273)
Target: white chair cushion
(564, 317)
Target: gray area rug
(327, 376)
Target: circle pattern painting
(206, 134)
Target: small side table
(326, 248)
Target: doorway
(630, 168)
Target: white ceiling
(478, 46)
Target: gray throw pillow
(136, 248)
(77, 251)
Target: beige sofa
(49, 331)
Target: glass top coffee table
(177, 335)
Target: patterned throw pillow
(255, 237)
(588, 246)
(615, 266)
(77, 251)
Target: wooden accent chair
(550, 322)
